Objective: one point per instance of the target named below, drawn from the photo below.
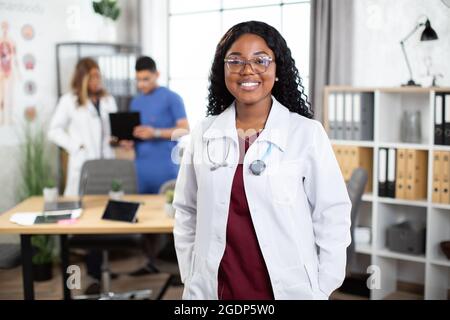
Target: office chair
(98, 175)
(355, 188)
(355, 283)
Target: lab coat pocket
(296, 284)
(319, 295)
(313, 274)
(78, 159)
(199, 285)
(285, 180)
(187, 282)
(299, 292)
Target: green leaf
(116, 185)
(107, 8)
(169, 196)
(43, 249)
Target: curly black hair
(288, 90)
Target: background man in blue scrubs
(163, 118)
(162, 115)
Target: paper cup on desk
(116, 195)
(50, 194)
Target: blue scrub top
(161, 108)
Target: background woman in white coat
(262, 211)
(80, 124)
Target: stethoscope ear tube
(257, 167)
(214, 167)
(217, 165)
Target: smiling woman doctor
(262, 210)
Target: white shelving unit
(432, 270)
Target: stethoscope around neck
(257, 167)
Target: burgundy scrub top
(243, 273)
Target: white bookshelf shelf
(404, 202)
(356, 143)
(432, 268)
(443, 206)
(440, 148)
(402, 145)
(401, 256)
(441, 262)
(363, 248)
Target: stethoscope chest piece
(257, 167)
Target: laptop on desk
(67, 205)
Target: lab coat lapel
(220, 136)
(224, 125)
(275, 134)
(277, 126)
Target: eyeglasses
(258, 65)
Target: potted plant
(42, 257)
(168, 207)
(116, 192)
(110, 12)
(50, 191)
(107, 8)
(34, 169)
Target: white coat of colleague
(80, 124)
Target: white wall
(379, 27)
(54, 21)
(154, 34)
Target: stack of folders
(414, 164)
(352, 157)
(442, 119)
(402, 173)
(441, 177)
(118, 73)
(386, 172)
(350, 116)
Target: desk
(151, 219)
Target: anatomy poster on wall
(9, 74)
(20, 22)
(28, 38)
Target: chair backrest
(168, 185)
(355, 188)
(97, 176)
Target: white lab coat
(299, 206)
(73, 126)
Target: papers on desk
(28, 218)
(24, 218)
(76, 213)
